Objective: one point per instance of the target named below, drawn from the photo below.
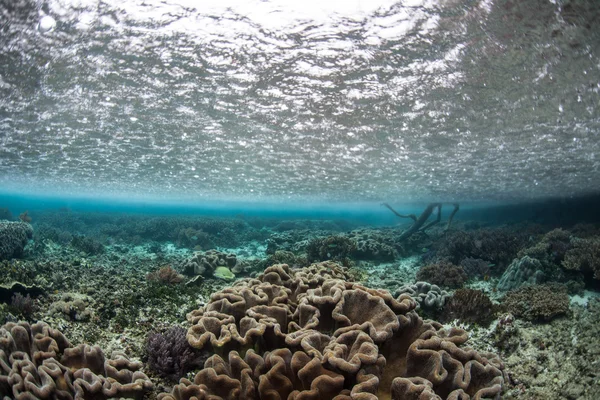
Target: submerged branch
(419, 224)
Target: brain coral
(310, 334)
(13, 238)
(38, 362)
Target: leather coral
(38, 362)
(311, 334)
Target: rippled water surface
(335, 100)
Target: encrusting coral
(310, 334)
(38, 362)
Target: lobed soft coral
(307, 334)
(38, 362)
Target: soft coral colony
(307, 333)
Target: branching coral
(540, 302)
(443, 273)
(584, 256)
(307, 334)
(329, 248)
(170, 355)
(166, 275)
(470, 306)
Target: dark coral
(538, 302)
(330, 248)
(584, 256)
(498, 246)
(13, 238)
(87, 244)
(171, 356)
(307, 334)
(206, 263)
(444, 274)
(476, 267)
(165, 275)
(551, 249)
(23, 305)
(470, 306)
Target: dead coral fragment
(535, 303)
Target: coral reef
(87, 244)
(476, 268)
(537, 303)
(13, 238)
(38, 362)
(207, 263)
(306, 333)
(523, 271)
(498, 246)
(443, 274)
(554, 360)
(369, 248)
(330, 248)
(73, 307)
(170, 355)
(469, 306)
(166, 275)
(584, 256)
(428, 296)
(22, 305)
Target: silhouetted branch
(419, 224)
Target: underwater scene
(315, 200)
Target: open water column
(299, 200)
